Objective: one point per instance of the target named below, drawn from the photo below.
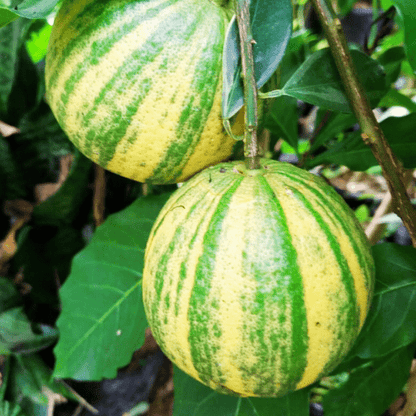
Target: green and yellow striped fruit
(256, 282)
(136, 84)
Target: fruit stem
(251, 150)
(371, 132)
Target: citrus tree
(277, 279)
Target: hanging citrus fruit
(136, 85)
(257, 282)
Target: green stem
(372, 134)
(251, 151)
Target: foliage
(74, 287)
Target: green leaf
(318, 82)
(37, 43)
(362, 213)
(27, 91)
(297, 51)
(28, 376)
(6, 17)
(396, 98)
(9, 296)
(31, 9)
(102, 321)
(282, 120)
(407, 10)
(271, 25)
(5, 372)
(194, 399)
(45, 254)
(10, 409)
(370, 390)
(39, 145)
(392, 60)
(17, 336)
(29, 380)
(354, 153)
(333, 124)
(64, 205)
(10, 38)
(345, 6)
(10, 176)
(390, 324)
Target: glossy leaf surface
(194, 399)
(370, 390)
(31, 9)
(102, 321)
(271, 25)
(354, 153)
(407, 10)
(390, 323)
(318, 82)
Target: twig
(78, 410)
(251, 150)
(372, 134)
(375, 230)
(410, 406)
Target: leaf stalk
(251, 149)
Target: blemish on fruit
(176, 206)
(223, 170)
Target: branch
(251, 151)
(372, 134)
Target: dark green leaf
(332, 125)
(27, 377)
(64, 205)
(38, 147)
(102, 321)
(9, 296)
(10, 176)
(194, 399)
(6, 17)
(396, 98)
(5, 372)
(29, 380)
(10, 41)
(390, 324)
(345, 6)
(27, 91)
(17, 336)
(45, 254)
(370, 390)
(296, 53)
(271, 24)
(317, 81)
(407, 10)
(45, 337)
(10, 409)
(282, 120)
(392, 60)
(354, 153)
